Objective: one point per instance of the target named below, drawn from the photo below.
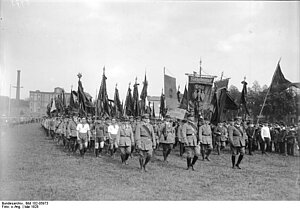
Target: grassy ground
(36, 168)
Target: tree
(256, 87)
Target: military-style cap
(238, 118)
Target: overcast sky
(51, 42)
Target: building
(38, 100)
(156, 101)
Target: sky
(52, 41)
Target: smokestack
(18, 87)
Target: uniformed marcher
(100, 136)
(205, 137)
(192, 148)
(251, 134)
(237, 142)
(180, 137)
(167, 137)
(145, 141)
(220, 137)
(72, 133)
(125, 140)
(83, 135)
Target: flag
(72, 101)
(153, 111)
(178, 95)
(83, 101)
(117, 104)
(53, 106)
(103, 106)
(279, 83)
(170, 92)
(136, 106)
(243, 97)
(162, 109)
(221, 84)
(128, 103)
(144, 95)
(184, 101)
(222, 102)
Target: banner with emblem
(170, 92)
(200, 89)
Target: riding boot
(76, 147)
(96, 152)
(218, 150)
(195, 158)
(122, 158)
(207, 154)
(126, 157)
(168, 152)
(164, 154)
(239, 161)
(141, 160)
(202, 154)
(146, 162)
(233, 161)
(188, 162)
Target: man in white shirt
(112, 130)
(265, 136)
(83, 135)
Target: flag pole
(267, 93)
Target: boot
(168, 152)
(164, 154)
(96, 152)
(233, 161)
(141, 160)
(218, 150)
(122, 158)
(194, 161)
(239, 161)
(188, 162)
(146, 162)
(126, 158)
(202, 154)
(207, 155)
(76, 147)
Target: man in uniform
(125, 140)
(100, 133)
(220, 137)
(180, 137)
(237, 142)
(72, 133)
(189, 133)
(205, 137)
(83, 135)
(145, 141)
(251, 134)
(167, 137)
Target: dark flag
(72, 102)
(244, 96)
(128, 103)
(222, 102)
(279, 83)
(117, 104)
(144, 95)
(82, 98)
(136, 106)
(103, 106)
(153, 111)
(184, 101)
(162, 109)
(178, 95)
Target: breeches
(125, 150)
(166, 146)
(82, 141)
(145, 153)
(237, 150)
(192, 151)
(205, 147)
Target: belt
(144, 136)
(205, 135)
(190, 134)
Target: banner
(170, 92)
(177, 113)
(222, 84)
(200, 89)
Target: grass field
(36, 168)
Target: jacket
(205, 134)
(125, 136)
(189, 132)
(144, 136)
(236, 137)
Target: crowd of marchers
(141, 135)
